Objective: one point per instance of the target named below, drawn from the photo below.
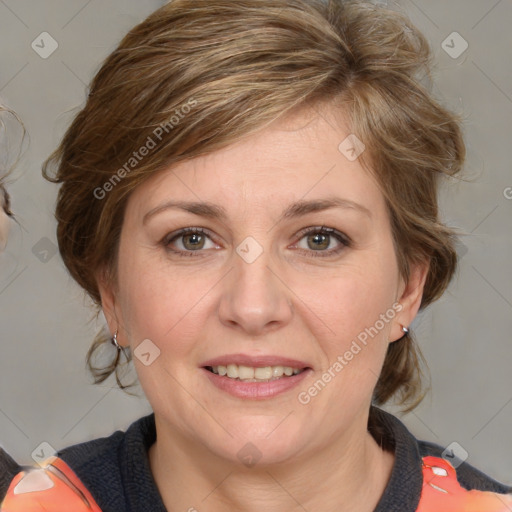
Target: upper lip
(256, 361)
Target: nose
(255, 299)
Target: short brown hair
(239, 66)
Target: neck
(350, 473)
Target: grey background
(47, 325)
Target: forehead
(297, 157)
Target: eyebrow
(297, 209)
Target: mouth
(254, 374)
(255, 377)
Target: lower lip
(256, 390)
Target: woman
(5, 202)
(8, 467)
(249, 195)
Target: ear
(410, 295)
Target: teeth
(277, 371)
(246, 372)
(263, 373)
(250, 374)
(232, 371)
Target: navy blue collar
(117, 473)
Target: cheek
(159, 303)
(357, 308)
(349, 299)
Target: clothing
(8, 470)
(116, 472)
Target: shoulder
(445, 489)
(52, 484)
(107, 466)
(468, 476)
(98, 455)
(427, 478)
(86, 476)
(9, 468)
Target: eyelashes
(195, 241)
(197, 235)
(321, 234)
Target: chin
(262, 440)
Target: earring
(114, 341)
(404, 329)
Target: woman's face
(255, 281)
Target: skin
(290, 301)
(4, 220)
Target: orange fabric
(442, 493)
(56, 488)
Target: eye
(188, 240)
(323, 240)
